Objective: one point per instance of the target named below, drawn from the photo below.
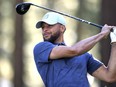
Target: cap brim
(39, 24)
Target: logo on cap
(45, 17)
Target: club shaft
(73, 17)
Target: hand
(106, 30)
(113, 35)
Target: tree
(18, 50)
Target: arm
(80, 47)
(108, 73)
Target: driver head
(22, 8)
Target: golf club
(22, 8)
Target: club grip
(99, 26)
(96, 25)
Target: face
(51, 33)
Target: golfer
(67, 66)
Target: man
(63, 66)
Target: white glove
(113, 35)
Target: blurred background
(18, 36)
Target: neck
(59, 40)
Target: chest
(71, 63)
(71, 72)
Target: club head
(22, 8)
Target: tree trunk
(18, 51)
(108, 16)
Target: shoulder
(89, 58)
(42, 51)
(42, 46)
(87, 55)
(43, 43)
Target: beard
(53, 37)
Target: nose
(44, 29)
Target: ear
(63, 28)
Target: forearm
(112, 63)
(87, 44)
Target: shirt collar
(62, 43)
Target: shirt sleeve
(93, 64)
(42, 51)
